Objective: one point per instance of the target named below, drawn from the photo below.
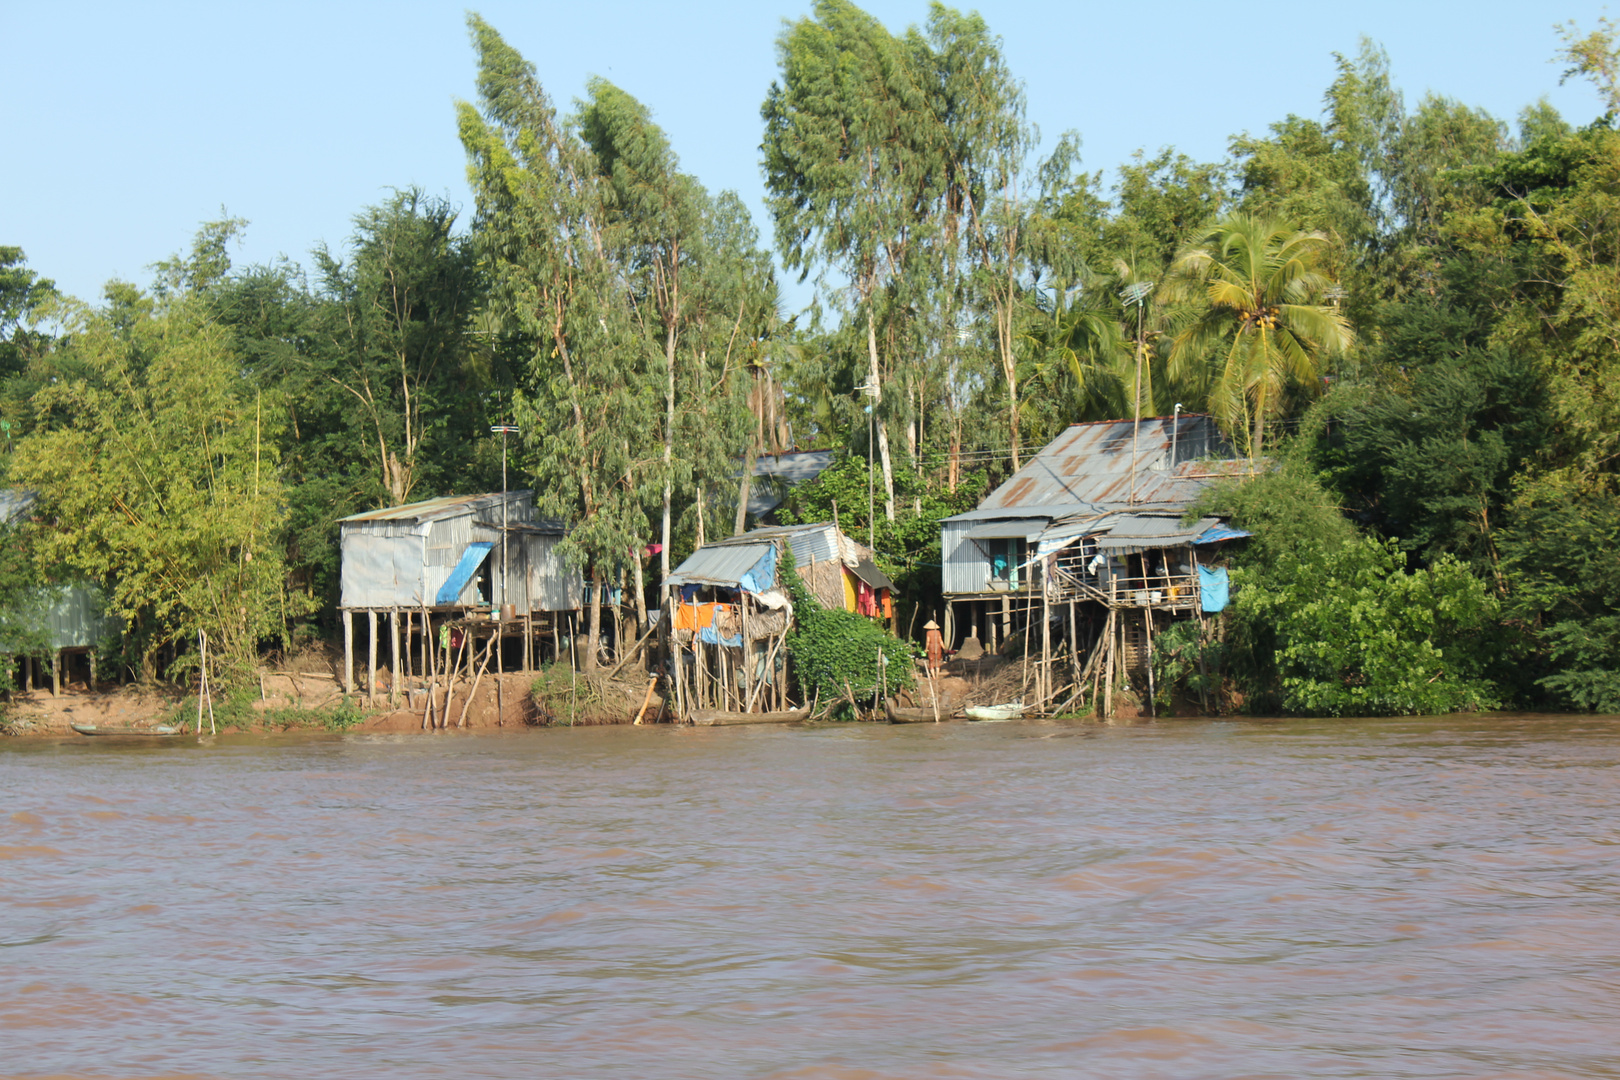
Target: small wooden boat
(158, 731)
(995, 713)
(718, 718)
(899, 715)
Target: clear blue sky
(125, 125)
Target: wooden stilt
(1108, 677)
(371, 656)
(348, 651)
(56, 673)
(393, 654)
(500, 672)
(1047, 687)
(1147, 626)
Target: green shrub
(1354, 634)
(836, 652)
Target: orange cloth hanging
(699, 616)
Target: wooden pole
(1108, 678)
(202, 668)
(348, 651)
(56, 673)
(393, 655)
(645, 701)
(1147, 624)
(461, 721)
(500, 671)
(371, 656)
(429, 669)
(746, 689)
(1046, 642)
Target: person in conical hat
(935, 645)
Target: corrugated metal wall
(966, 568)
(552, 584)
(382, 566)
(76, 617)
(401, 564)
(814, 545)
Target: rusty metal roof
(448, 506)
(1087, 469)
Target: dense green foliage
(838, 654)
(1356, 635)
(1407, 317)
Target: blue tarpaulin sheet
(1213, 587)
(1216, 533)
(763, 574)
(465, 569)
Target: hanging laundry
(699, 616)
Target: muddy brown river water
(1416, 898)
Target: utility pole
(504, 430)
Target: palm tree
(1253, 286)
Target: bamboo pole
(645, 701)
(430, 670)
(745, 688)
(1108, 681)
(461, 721)
(1147, 625)
(1046, 642)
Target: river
(1411, 898)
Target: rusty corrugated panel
(1090, 464)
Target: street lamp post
(504, 430)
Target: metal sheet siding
(76, 617)
(552, 584)
(966, 568)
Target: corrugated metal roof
(1088, 468)
(782, 471)
(14, 504)
(1020, 529)
(721, 563)
(448, 506)
(1135, 532)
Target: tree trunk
(594, 637)
(641, 596)
(669, 453)
(882, 430)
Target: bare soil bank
(303, 699)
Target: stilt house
(728, 612)
(69, 622)
(1085, 544)
(451, 559)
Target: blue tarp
(1213, 587)
(710, 636)
(465, 569)
(763, 575)
(1220, 532)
